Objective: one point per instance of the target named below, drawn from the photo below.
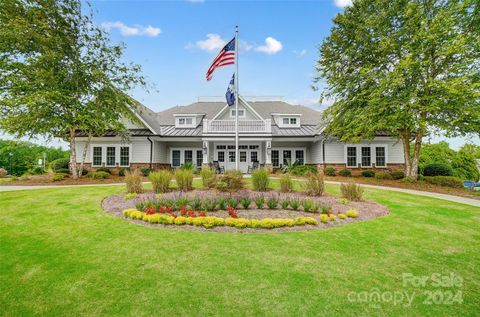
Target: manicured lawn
(60, 255)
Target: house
(271, 132)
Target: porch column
(268, 155)
(205, 151)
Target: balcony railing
(244, 126)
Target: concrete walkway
(457, 199)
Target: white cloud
(136, 30)
(212, 43)
(300, 53)
(343, 3)
(272, 46)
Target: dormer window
(290, 121)
(185, 122)
(241, 113)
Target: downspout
(323, 152)
(151, 151)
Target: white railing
(244, 126)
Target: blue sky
(176, 41)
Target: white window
(380, 156)
(275, 158)
(351, 156)
(241, 113)
(366, 156)
(290, 122)
(185, 122)
(111, 155)
(199, 158)
(97, 156)
(300, 157)
(124, 156)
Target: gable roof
(163, 123)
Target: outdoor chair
(218, 169)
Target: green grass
(5, 180)
(62, 256)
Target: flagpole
(237, 158)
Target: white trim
(287, 114)
(251, 108)
(182, 155)
(294, 156)
(358, 151)
(117, 154)
(239, 110)
(188, 114)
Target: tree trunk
(84, 154)
(411, 163)
(73, 155)
(416, 154)
(406, 151)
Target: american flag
(224, 58)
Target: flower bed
(245, 210)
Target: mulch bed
(115, 204)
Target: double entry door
(226, 156)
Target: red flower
(232, 212)
(150, 210)
(192, 214)
(161, 210)
(183, 211)
(169, 209)
(202, 214)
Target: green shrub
(232, 202)
(123, 171)
(260, 180)
(133, 181)
(302, 170)
(37, 170)
(272, 201)
(63, 170)
(329, 171)
(98, 175)
(245, 202)
(368, 173)
(342, 216)
(259, 201)
(308, 205)
(286, 183)
(295, 203)
(189, 166)
(222, 203)
(397, 174)
(383, 175)
(184, 179)
(324, 218)
(437, 169)
(351, 191)
(233, 180)
(59, 163)
(208, 177)
(285, 202)
(146, 171)
(58, 177)
(160, 180)
(103, 169)
(314, 185)
(345, 173)
(447, 181)
(221, 186)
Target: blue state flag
(230, 94)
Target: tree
(18, 157)
(406, 67)
(59, 74)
